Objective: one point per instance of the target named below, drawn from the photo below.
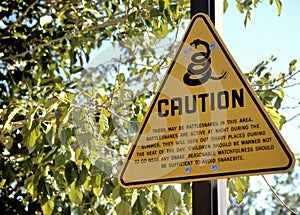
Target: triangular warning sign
(205, 122)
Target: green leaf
(281, 92)
(186, 187)
(48, 207)
(279, 6)
(87, 184)
(239, 7)
(155, 211)
(134, 196)
(132, 16)
(121, 78)
(174, 9)
(281, 78)
(76, 69)
(292, 66)
(61, 159)
(164, 29)
(31, 117)
(154, 12)
(140, 117)
(136, 3)
(123, 208)
(293, 62)
(248, 17)
(65, 136)
(2, 183)
(29, 184)
(116, 192)
(241, 187)
(225, 6)
(7, 125)
(255, 2)
(52, 104)
(8, 142)
(279, 120)
(82, 176)
(103, 122)
(277, 103)
(31, 136)
(75, 195)
(187, 201)
(140, 204)
(84, 138)
(50, 133)
(97, 191)
(107, 189)
(171, 198)
(71, 172)
(49, 81)
(155, 197)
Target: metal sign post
(205, 193)
(205, 6)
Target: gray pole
(204, 6)
(205, 193)
(205, 198)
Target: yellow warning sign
(205, 122)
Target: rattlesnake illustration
(200, 71)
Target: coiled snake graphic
(200, 71)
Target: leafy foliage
(64, 134)
(246, 6)
(269, 86)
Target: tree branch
(23, 15)
(68, 36)
(21, 123)
(278, 198)
(294, 117)
(276, 86)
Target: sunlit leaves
(103, 121)
(48, 207)
(238, 187)
(245, 6)
(32, 135)
(292, 66)
(66, 133)
(11, 115)
(154, 12)
(270, 87)
(225, 5)
(71, 172)
(279, 120)
(123, 208)
(2, 183)
(82, 176)
(141, 202)
(278, 4)
(187, 190)
(30, 185)
(171, 198)
(61, 158)
(158, 202)
(7, 141)
(75, 194)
